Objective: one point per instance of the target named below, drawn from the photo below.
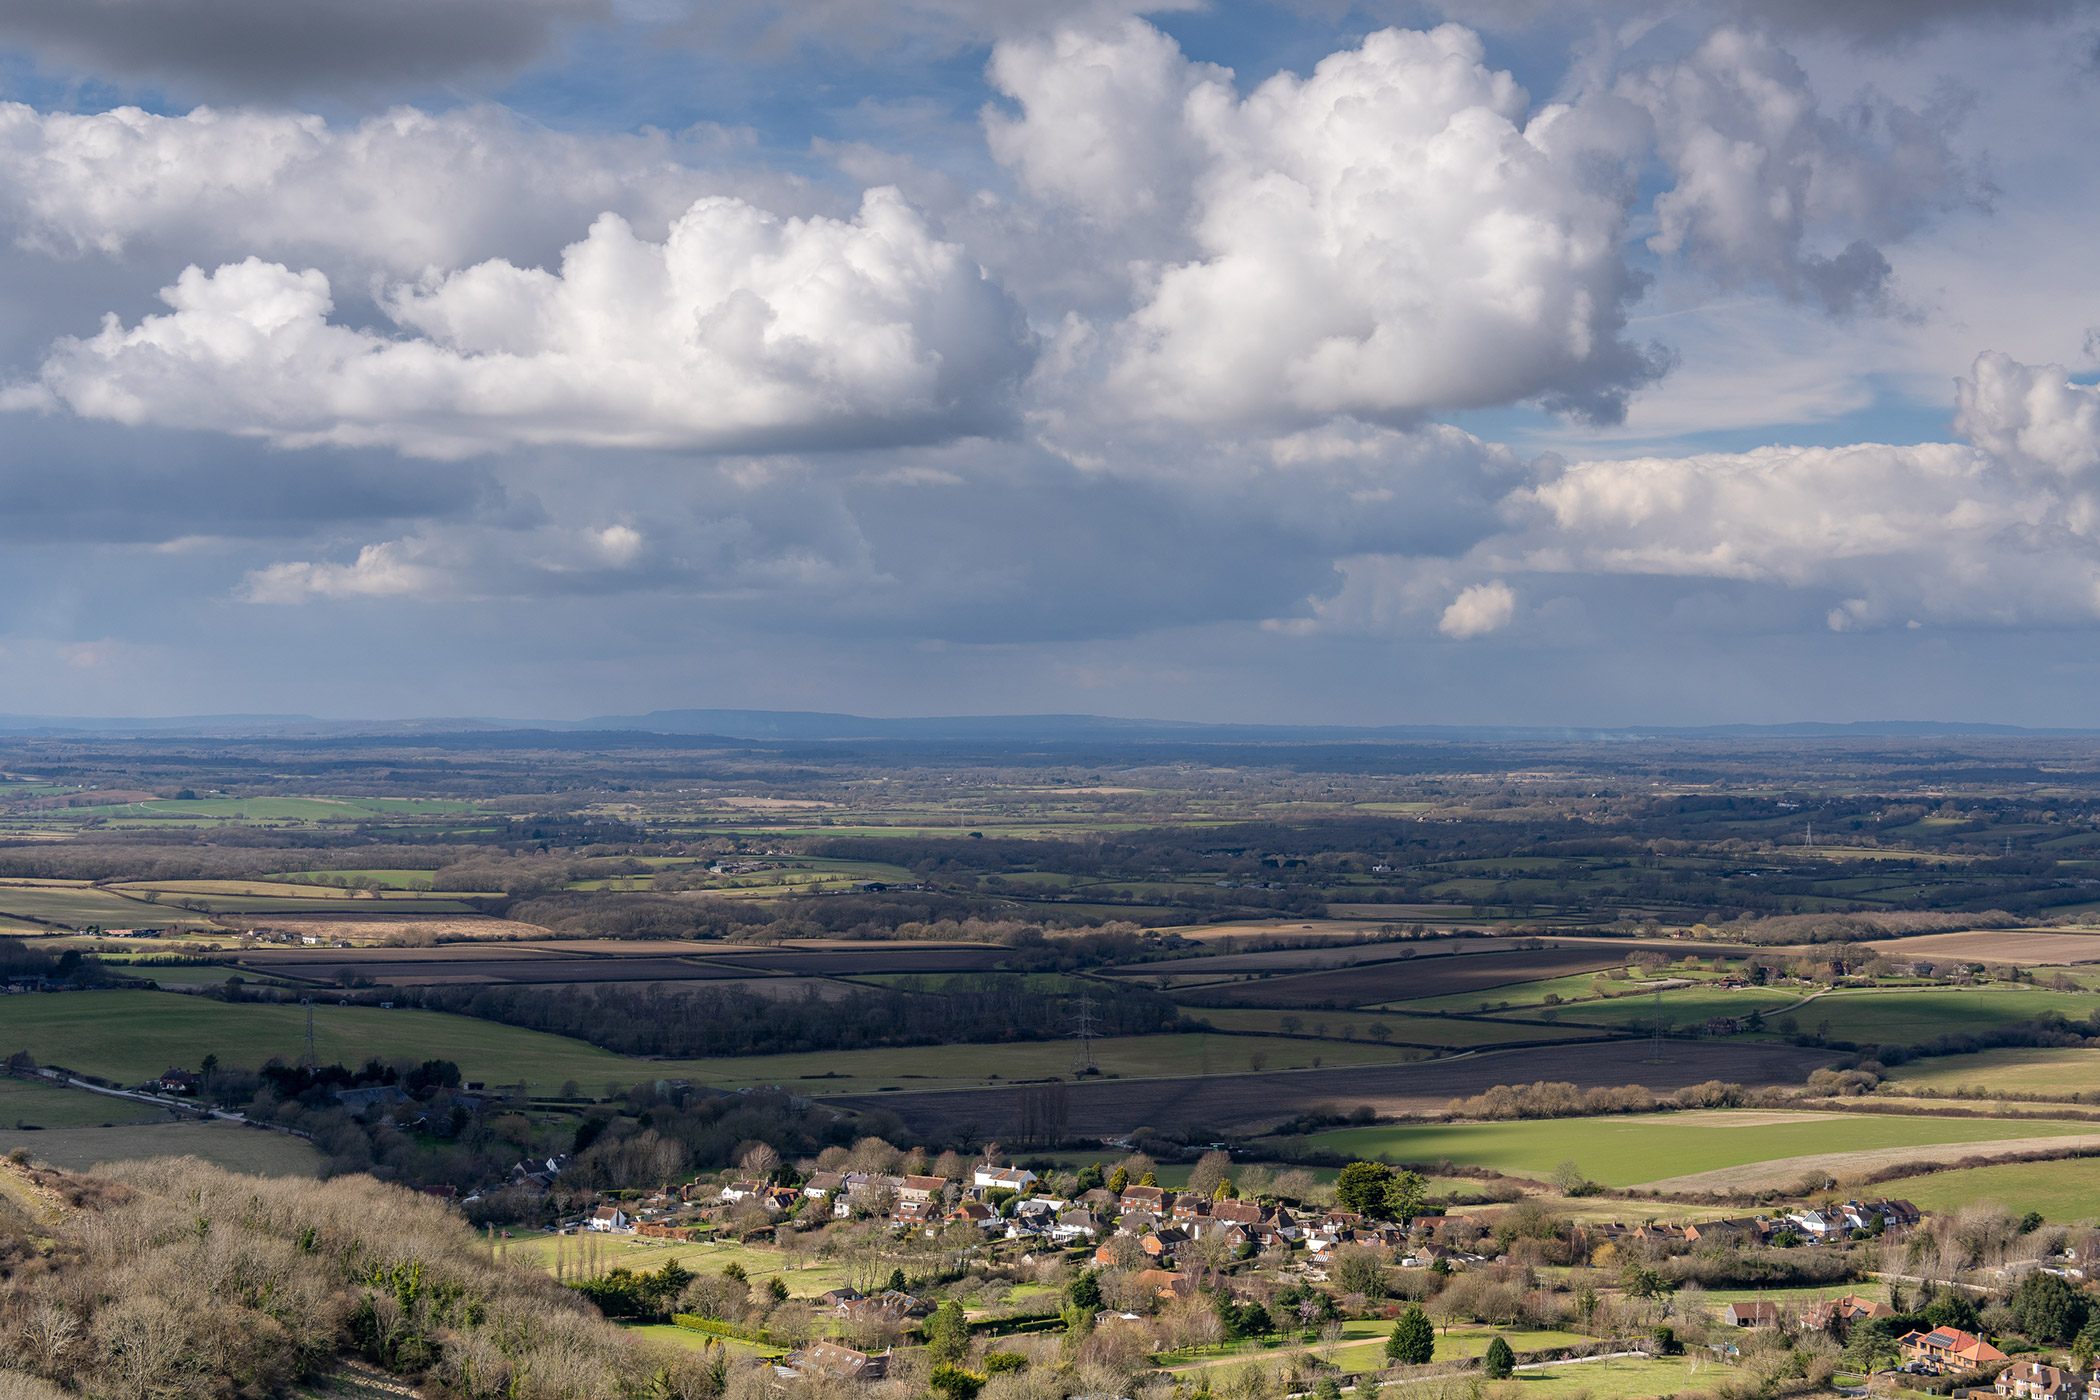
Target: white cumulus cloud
(1396, 234)
(742, 331)
(1479, 610)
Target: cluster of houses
(1830, 1224)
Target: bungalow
(2031, 1380)
(1166, 1283)
(670, 1232)
(831, 1361)
(1757, 1314)
(1740, 1230)
(1238, 1212)
(1074, 1226)
(823, 1185)
(177, 1081)
(990, 1178)
(1850, 1308)
(743, 1190)
(1947, 1349)
(378, 1095)
(608, 1218)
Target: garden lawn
(1604, 1380)
(1621, 1151)
(647, 1256)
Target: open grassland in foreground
(130, 1036)
(2024, 1071)
(255, 1151)
(1650, 1147)
(2062, 1191)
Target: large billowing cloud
(400, 192)
(741, 331)
(1397, 234)
(1761, 170)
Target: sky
(1592, 362)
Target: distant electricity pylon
(1810, 839)
(309, 1058)
(1083, 1031)
(1655, 1052)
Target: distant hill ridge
(817, 726)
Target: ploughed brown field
(1372, 983)
(1249, 1103)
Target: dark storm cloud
(1862, 21)
(100, 484)
(271, 49)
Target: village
(952, 1269)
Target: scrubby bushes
(177, 1279)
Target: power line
(1084, 1031)
(309, 1058)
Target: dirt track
(1246, 1103)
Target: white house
(992, 1178)
(609, 1218)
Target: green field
(277, 809)
(1526, 994)
(80, 905)
(128, 1036)
(253, 1150)
(25, 1102)
(2061, 1191)
(392, 879)
(1413, 1030)
(1909, 1015)
(1690, 1006)
(1650, 1147)
(2061, 1072)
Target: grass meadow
(255, 1151)
(25, 1103)
(2062, 1191)
(2025, 1071)
(1625, 1151)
